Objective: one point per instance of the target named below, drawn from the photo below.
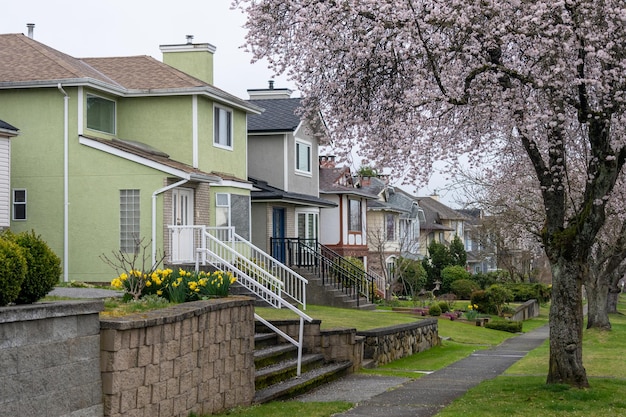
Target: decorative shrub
(444, 306)
(483, 302)
(499, 295)
(507, 326)
(44, 267)
(434, 310)
(450, 274)
(463, 288)
(13, 269)
(526, 291)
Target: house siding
(267, 159)
(5, 183)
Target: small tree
(499, 296)
(450, 274)
(458, 255)
(438, 258)
(412, 275)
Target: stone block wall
(526, 311)
(192, 357)
(390, 343)
(50, 359)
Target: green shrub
(526, 291)
(480, 299)
(507, 326)
(450, 274)
(463, 288)
(13, 269)
(44, 267)
(434, 310)
(499, 295)
(444, 306)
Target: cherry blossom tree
(412, 82)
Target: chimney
(195, 59)
(31, 29)
(327, 161)
(269, 93)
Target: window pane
(19, 204)
(354, 216)
(303, 157)
(223, 130)
(391, 227)
(222, 210)
(129, 221)
(101, 114)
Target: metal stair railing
(332, 268)
(263, 284)
(294, 285)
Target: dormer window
(100, 114)
(223, 127)
(303, 157)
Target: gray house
(283, 167)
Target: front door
(182, 215)
(278, 234)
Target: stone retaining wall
(50, 359)
(387, 344)
(192, 357)
(526, 311)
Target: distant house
(442, 223)
(480, 242)
(393, 225)
(114, 150)
(286, 203)
(6, 133)
(345, 226)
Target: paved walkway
(78, 292)
(426, 396)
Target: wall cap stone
(49, 309)
(382, 331)
(172, 314)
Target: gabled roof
(25, 62)
(279, 115)
(435, 212)
(8, 129)
(266, 192)
(148, 156)
(339, 181)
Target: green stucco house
(113, 151)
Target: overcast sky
(106, 28)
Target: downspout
(154, 214)
(66, 201)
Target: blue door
(278, 234)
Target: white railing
(266, 288)
(294, 285)
(381, 283)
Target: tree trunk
(566, 325)
(612, 299)
(597, 288)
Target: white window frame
(221, 205)
(130, 220)
(217, 129)
(19, 203)
(311, 224)
(114, 114)
(300, 144)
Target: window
(100, 114)
(19, 204)
(222, 210)
(303, 157)
(129, 221)
(223, 134)
(390, 226)
(307, 225)
(354, 215)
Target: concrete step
(281, 371)
(305, 382)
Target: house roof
(7, 128)
(25, 62)
(146, 155)
(266, 192)
(339, 181)
(435, 212)
(279, 115)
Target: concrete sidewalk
(79, 292)
(426, 396)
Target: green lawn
(520, 392)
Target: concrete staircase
(319, 293)
(276, 368)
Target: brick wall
(50, 359)
(192, 357)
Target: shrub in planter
(434, 310)
(12, 271)
(44, 267)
